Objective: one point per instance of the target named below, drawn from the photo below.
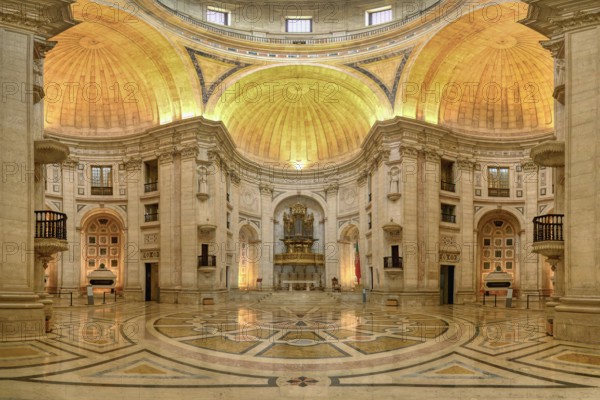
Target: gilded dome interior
(482, 74)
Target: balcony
(150, 187)
(448, 186)
(498, 192)
(151, 217)
(549, 154)
(393, 264)
(302, 259)
(102, 191)
(207, 261)
(548, 235)
(50, 234)
(449, 218)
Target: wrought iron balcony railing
(50, 225)
(449, 218)
(151, 217)
(206, 260)
(448, 186)
(392, 262)
(498, 192)
(150, 187)
(102, 191)
(548, 227)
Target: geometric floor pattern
(298, 346)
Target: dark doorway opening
(151, 282)
(447, 284)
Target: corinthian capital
(132, 163)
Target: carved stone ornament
(432, 155)
(578, 20)
(465, 164)
(165, 155)
(556, 46)
(408, 151)
(362, 176)
(70, 162)
(332, 188)
(189, 151)
(132, 163)
(529, 166)
(235, 178)
(266, 189)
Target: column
(133, 288)
(266, 229)
(466, 290)
(331, 263)
(409, 205)
(235, 229)
(530, 273)
(189, 225)
(577, 316)
(70, 264)
(22, 23)
(169, 272)
(429, 280)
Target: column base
(133, 295)
(465, 297)
(22, 317)
(577, 319)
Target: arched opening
(498, 248)
(299, 244)
(347, 243)
(248, 258)
(102, 244)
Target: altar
(298, 264)
(291, 284)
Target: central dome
(299, 113)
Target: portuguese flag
(357, 264)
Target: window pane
(96, 176)
(303, 25)
(380, 17)
(216, 17)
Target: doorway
(446, 284)
(151, 282)
(204, 254)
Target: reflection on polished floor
(299, 345)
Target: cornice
(212, 143)
(44, 18)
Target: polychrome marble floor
(297, 345)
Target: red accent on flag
(357, 264)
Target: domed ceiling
(299, 113)
(113, 74)
(483, 74)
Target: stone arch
(499, 244)
(249, 252)
(348, 238)
(103, 241)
